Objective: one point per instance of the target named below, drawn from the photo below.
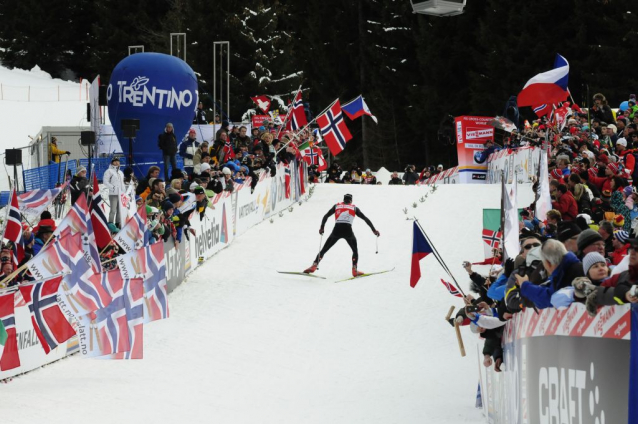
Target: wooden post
(449, 313)
(459, 338)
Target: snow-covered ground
(245, 344)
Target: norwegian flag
(113, 282)
(297, 119)
(134, 307)
(310, 156)
(453, 290)
(76, 219)
(34, 202)
(9, 358)
(263, 102)
(49, 262)
(287, 181)
(83, 291)
(155, 285)
(542, 110)
(48, 320)
(133, 264)
(333, 128)
(492, 238)
(133, 235)
(111, 325)
(13, 230)
(98, 217)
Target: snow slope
(247, 345)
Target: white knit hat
(590, 259)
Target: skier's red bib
(344, 213)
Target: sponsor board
(471, 134)
(522, 162)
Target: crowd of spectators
(585, 248)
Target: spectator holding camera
(410, 177)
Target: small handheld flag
(453, 291)
(420, 249)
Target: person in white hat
(78, 184)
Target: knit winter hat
(622, 236)
(613, 167)
(204, 167)
(590, 259)
(557, 174)
(622, 141)
(587, 238)
(603, 158)
(619, 221)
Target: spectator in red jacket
(621, 245)
(604, 183)
(565, 203)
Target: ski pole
(320, 240)
(377, 252)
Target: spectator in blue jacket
(490, 148)
(562, 266)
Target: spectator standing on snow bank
(78, 184)
(395, 180)
(114, 181)
(200, 115)
(167, 142)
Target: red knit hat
(604, 159)
(619, 221)
(613, 167)
(557, 174)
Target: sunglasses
(531, 245)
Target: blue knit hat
(622, 236)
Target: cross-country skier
(344, 216)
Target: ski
(301, 273)
(365, 275)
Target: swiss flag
(263, 102)
(333, 128)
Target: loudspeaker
(87, 138)
(131, 122)
(14, 156)
(102, 96)
(88, 112)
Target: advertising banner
(29, 348)
(522, 162)
(561, 367)
(471, 134)
(448, 176)
(258, 120)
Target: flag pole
(283, 124)
(307, 125)
(439, 258)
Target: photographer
(410, 177)
(334, 173)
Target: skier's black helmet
(347, 198)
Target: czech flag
(548, 87)
(420, 249)
(356, 108)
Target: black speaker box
(102, 96)
(87, 138)
(14, 156)
(88, 112)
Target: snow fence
(563, 366)
(232, 214)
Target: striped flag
(98, 217)
(13, 231)
(34, 202)
(453, 291)
(9, 358)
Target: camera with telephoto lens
(472, 309)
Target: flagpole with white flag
(511, 245)
(544, 202)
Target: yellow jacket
(55, 153)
